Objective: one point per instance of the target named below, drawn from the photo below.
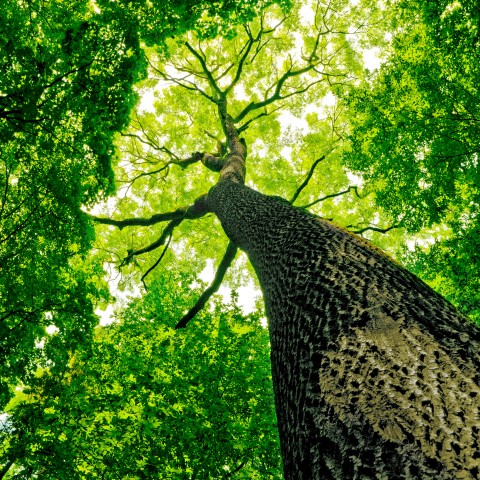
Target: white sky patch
(420, 242)
(411, 244)
(5, 425)
(146, 101)
(288, 120)
(371, 59)
(307, 15)
(51, 329)
(354, 179)
(207, 274)
(286, 152)
(329, 100)
(107, 316)
(96, 9)
(240, 93)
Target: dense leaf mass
(415, 133)
(66, 89)
(146, 401)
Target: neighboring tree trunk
(375, 375)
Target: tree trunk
(375, 375)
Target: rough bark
(375, 375)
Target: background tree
(146, 401)
(415, 138)
(68, 70)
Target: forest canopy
(361, 113)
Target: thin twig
(157, 262)
(331, 196)
(167, 231)
(376, 229)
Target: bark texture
(375, 375)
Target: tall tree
(374, 374)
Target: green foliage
(451, 267)
(415, 137)
(66, 89)
(178, 117)
(156, 20)
(146, 401)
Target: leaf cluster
(146, 401)
(415, 136)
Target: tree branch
(207, 72)
(6, 468)
(182, 163)
(235, 470)
(276, 94)
(188, 85)
(196, 210)
(155, 265)
(307, 178)
(167, 232)
(376, 229)
(243, 127)
(217, 281)
(355, 188)
(243, 58)
(212, 162)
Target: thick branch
(196, 210)
(234, 167)
(217, 281)
(307, 178)
(209, 75)
(200, 208)
(212, 162)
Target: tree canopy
(68, 70)
(98, 98)
(148, 402)
(415, 137)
